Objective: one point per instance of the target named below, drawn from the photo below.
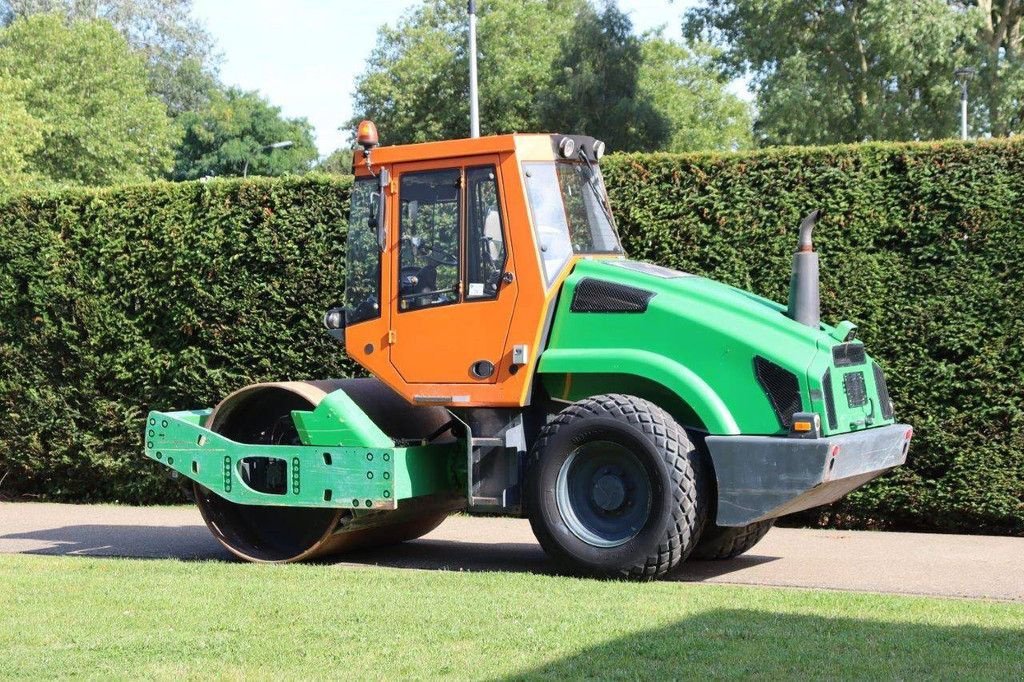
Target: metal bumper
(763, 477)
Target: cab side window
(428, 260)
(485, 238)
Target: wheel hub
(609, 492)
(604, 494)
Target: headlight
(566, 147)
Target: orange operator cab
(455, 258)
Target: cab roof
(528, 147)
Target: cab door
(455, 288)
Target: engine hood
(731, 345)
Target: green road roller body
(522, 365)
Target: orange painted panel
(438, 345)
(432, 349)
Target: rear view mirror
(373, 219)
(376, 218)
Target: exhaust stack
(804, 297)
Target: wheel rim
(603, 494)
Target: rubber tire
(679, 493)
(720, 542)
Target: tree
(21, 134)
(684, 85)
(179, 52)
(338, 162)
(416, 85)
(997, 51)
(595, 89)
(90, 92)
(556, 65)
(841, 70)
(237, 128)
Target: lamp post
(963, 76)
(474, 97)
(267, 147)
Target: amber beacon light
(366, 135)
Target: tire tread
(678, 454)
(726, 543)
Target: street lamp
(284, 144)
(963, 76)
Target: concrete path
(907, 563)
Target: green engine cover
(692, 345)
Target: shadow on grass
(191, 543)
(733, 643)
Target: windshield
(362, 274)
(570, 212)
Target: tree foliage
(179, 51)
(100, 125)
(21, 133)
(416, 85)
(554, 65)
(996, 48)
(338, 162)
(838, 71)
(686, 87)
(596, 85)
(236, 127)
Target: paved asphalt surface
(907, 563)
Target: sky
(304, 55)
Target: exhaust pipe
(804, 297)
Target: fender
(689, 387)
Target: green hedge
(922, 246)
(159, 296)
(171, 295)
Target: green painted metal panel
(354, 476)
(337, 420)
(678, 378)
(417, 470)
(697, 338)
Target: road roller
(520, 363)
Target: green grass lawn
(103, 618)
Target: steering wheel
(437, 256)
(415, 280)
(366, 309)
(431, 253)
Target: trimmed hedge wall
(172, 295)
(922, 246)
(160, 296)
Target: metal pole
(963, 110)
(474, 104)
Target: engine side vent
(848, 354)
(856, 390)
(597, 296)
(781, 387)
(830, 401)
(883, 393)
